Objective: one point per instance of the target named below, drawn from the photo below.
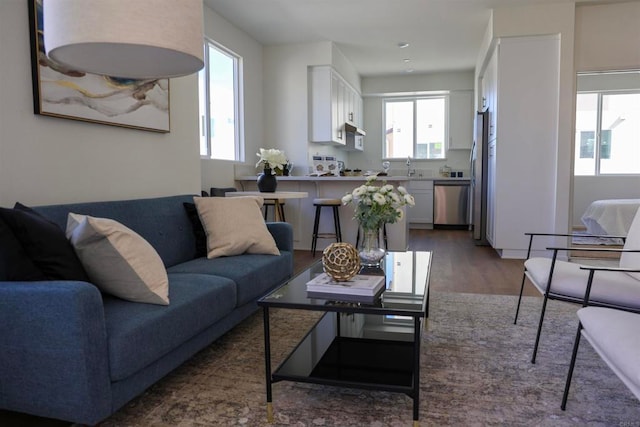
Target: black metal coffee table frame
(365, 363)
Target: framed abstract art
(59, 91)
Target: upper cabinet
(332, 103)
(461, 120)
(489, 88)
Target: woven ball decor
(341, 261)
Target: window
(607, 133)
(220, 104)
(415, 127)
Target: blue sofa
(69, 352)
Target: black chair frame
(548, 295)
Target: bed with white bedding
(610, 217)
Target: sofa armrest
(283, 235)
(54, 359)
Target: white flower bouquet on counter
(272, 159)
(374, 207)
(378, 205)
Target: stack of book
(361, 288)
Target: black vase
(267, 182)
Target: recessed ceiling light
(406, 60)
(409, 70)
(402, 45)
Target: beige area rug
(475, 372)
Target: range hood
(351, 128)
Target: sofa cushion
(118, 260)
(161, 221)
(15, 264)
(45, 244)
(614, 336)
(612, 287)
(234, 226)
(253, 274)
(139, 334)
(198, 230)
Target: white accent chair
(613, 287)
(615, 336)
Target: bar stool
(272, 203)
(319, 204)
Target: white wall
(607, 38)
(415, 83)
(374, 88)
(217, 173)
(47, 160)
(286, 99)
(544, 19)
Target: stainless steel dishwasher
(450, 203)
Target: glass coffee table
(370, 346)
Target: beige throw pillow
(234, 225)
(118, 260)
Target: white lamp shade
(138, 39)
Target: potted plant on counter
(374, 207)
(270, 159)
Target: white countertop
(354, 178)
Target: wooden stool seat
(319, 203)
(327, 202)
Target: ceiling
(443, 35)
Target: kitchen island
(303, 211)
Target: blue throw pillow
(45, 244)
(15, 264)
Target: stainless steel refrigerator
(479, 166)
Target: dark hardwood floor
(458, 265)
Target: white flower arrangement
(272, 159)
(375, 206)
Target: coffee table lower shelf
(356, 362)
(323, 357)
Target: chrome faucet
(410, 172)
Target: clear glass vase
(371, 253)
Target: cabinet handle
(339, 134)
(351, 117)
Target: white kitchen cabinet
(349, 104)
(489, 94)
(421, 215)
(332, 103)
(522, 165)
(461, 120)
(326, 106)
